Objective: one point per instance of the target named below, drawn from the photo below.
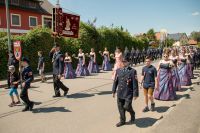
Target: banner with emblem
(65, 24)
(70, 25)
(17, 50)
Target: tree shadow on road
(145, 122)
(34, 87)
(196, 82)
(186, 88)
(104, 93)
(161, 109)
(79, 95)
(104, 72)
(50, 82)
(186, 96)
(37, 103)
(196, 71)
(50, 109)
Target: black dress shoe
(146, 109)
(31, 106)
(25, 109)
(131, 121)
(56, 96)
(65, 93)
(120, 124)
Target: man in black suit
(132, 56)
(58, 68)
(127, 83)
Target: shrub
(40, 39)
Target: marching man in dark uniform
(58, 69)
(127, 83)
(132, 56)
(27, 78)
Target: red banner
(65, 24)
(17, 50)
(70, 25)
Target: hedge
(40, 39)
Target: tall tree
(151, 35)
(195, 35)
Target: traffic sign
(17, 50)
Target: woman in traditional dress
(81, 69)
(93, 66)
(189, 62)
(68, 69)
(175, 77)
(164, 90)
(118, 61)
(183, 69)
(106, 66)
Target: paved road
(89, 108)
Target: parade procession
(59, 73)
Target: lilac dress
(165, 90)
(190, 67)
(81, 69)
(93, 66)
(106, 63)
(184, 73)
(175, 76)
(68, 71)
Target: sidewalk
(3, 83)
(185, 118)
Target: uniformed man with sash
(127, 83)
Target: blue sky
(138, 16)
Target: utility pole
(8, 25)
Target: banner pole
(20, 72)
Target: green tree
(169, 42)
(151, 35)
(195, 35)
(40, 39)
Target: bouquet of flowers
(171, 64)
(112, 55)
(73, 55)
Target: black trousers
(135, 60)
(143, 58)
(24, 96)
(124, 106)
(57, 85)
(132, 61)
